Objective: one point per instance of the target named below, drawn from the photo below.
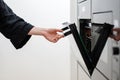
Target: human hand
(52, 34)
(117, 36)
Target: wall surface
(38, 59)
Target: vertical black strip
(82, 48)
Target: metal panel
(101, 5)
(84, 10)
(115, 61)
(102, 17)
(108, 5)
(98, 76)
(81, 75)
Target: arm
(19, 31)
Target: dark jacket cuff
(21, 39)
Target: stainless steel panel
(108, 5)
(84, 10)
(81, 75)
(98, 76)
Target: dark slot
(68, 32)
(116, 51)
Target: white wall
(38, 59)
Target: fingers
(116, 34)
(57, 37)
(53, 35)
(55, 40)
(115, 37)
(116, 29)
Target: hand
(117, 36)
(52, 34)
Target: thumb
(59, 30)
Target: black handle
(66, 33)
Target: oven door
(93, 38)
(90, 55)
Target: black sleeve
(13, 27)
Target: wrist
(37, 31)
